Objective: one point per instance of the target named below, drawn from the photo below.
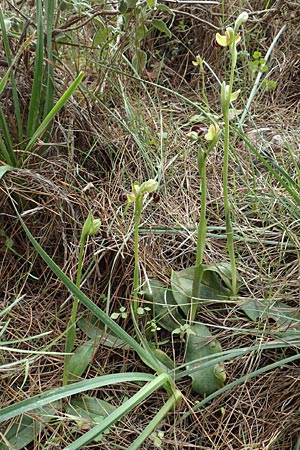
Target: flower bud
(91, 226)
(242, 18)
(149, 186)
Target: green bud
(193, 136)
(149, 186)
(242, 18)
(91, 226)
(225, 97)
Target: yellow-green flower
(212, 133)
(228, 39)
(198, 62)
(137, 190)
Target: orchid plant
(178, 304)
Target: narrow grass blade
(7, 147)
(71, 389)
(4, 169)
(138, 398)
(113, 326)
(49, 97)
(7, 152)
(61, 102)
(281, 175)
(11, 62)
(259, 75)
(36, 93)
(153, 424)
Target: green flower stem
(201, 235)
(138, 206)
(227, 208)
(71, 333)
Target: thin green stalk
(138, 206)
(201, 234)
(153, 424)
(227, 207)
(71, 333)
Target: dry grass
(55, 193)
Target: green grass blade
(7, 147)
(49, 97)
(281, 175)
(153, 424)
(138, 398)
(11, 62)
(113, 326)
(38, 401)
(241, 380)
(61, 102)
(258, 77)
(36, 93)
(7, 152)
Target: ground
(123, 126)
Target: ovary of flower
(212, 132)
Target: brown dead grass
(55, 192)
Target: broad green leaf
(131, 3)
(4, 169)
(161, 26)
(101, 35)
(80, 359)
(165, 309)
(139, 60)
(24, 432)
(216, 280)
(123, 6)
(151, 3)
(182, 286)
(95, 330)
(201, 344)
(93, 406)
(163, 7)
(285, 317)
(89, 411)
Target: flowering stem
(201, 235)
(71, 333)
(136, 275)
(227, 208)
